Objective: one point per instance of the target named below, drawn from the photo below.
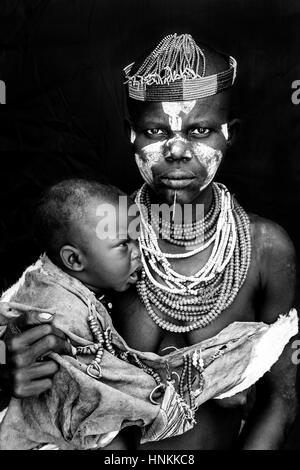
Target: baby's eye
(200, 132)
(155, 132)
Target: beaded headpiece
(171, 73)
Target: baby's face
(111, 253)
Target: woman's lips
(177, 183)
(177, 178)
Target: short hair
(63, 203)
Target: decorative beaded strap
(103, 341)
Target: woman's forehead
(212, 105)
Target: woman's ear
(233, 129)
(71, 258)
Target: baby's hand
(7, 313)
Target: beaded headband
(170, 73)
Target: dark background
(62, 61)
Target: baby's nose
(135, 253)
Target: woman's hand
(23, 376)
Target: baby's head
(67, 228)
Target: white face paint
(224, 129)
(151, 154)
(174, 108)
(209, 158)
(148, 157)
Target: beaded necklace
(185, 234)
(200, 298)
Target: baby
(90, 250)
(90, 245)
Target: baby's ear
(71, 258)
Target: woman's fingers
(26, 376)
(30, 381)
(42, 347)
(34, 388)
(21, 343)
(58, 332)
(37, 370)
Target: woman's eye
(154, 132)
(201, 131)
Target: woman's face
(179, 146)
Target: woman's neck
(189, 212)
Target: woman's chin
(183, 196)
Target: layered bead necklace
(200, 298)
(185, 234)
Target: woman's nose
(178, 149)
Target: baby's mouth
(134, 276)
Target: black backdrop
(61, 61)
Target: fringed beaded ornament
(172, 73)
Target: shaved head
(62, 206)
